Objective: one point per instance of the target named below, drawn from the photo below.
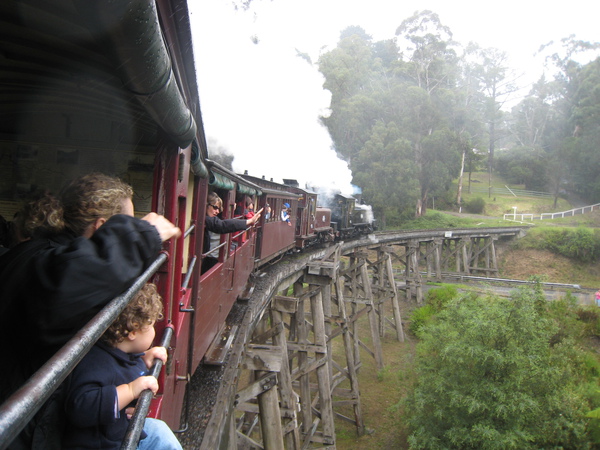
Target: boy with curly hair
(114, 374)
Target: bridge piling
(291, 387)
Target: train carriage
(110, 87)
(222, 283)
(89, 85)
(312, 222)
(275, 236)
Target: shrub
(581, 244)
(475, 206)
(438, 298)
(420, 317)
(435, 301)
(488, 378)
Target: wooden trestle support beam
(298, 352)
(436, 257)
(385, 289)
(295, 384)
(468, 255)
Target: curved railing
(22, 406)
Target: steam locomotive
(89, 85)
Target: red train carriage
(222, 283)
(275, 236)
(312, 222)
(110, 87)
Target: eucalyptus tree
(348, 71)
(569, 102)
(496, 84)
(585, 122)
(428, 49)
(531, 117)
(379, 90)
(536, 123)
(468, 117)
(385, 171)
(431, 63)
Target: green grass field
(498, 205)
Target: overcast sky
(262, 103)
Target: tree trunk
(491, 157)
(460, 178)
(418, 209)
(470, 172)
(422, 204)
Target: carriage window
(270, 208)
(44, 166)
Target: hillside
(523, 263)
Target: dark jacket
(93, 422)
(50, 288)
(220, 226)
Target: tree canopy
(409, 114)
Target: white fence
(545, 216)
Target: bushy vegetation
(523, 165)
(500, 373)
(579, 244)
(475, 205)
(435, 301)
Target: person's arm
(126, 393)
(165, 228)
(80, 278)
(221, 226)
(254, 219)
(91, 405)
(154, 353)
(91, 397)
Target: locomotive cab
(362, 218)
(342, 215)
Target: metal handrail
(189, 273)
(189, 231)
(20, 407)
(136, 425)
(222, 244)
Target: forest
(413, 115)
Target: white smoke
(262, 102)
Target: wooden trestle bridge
(281, 385)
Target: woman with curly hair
(68, 268)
